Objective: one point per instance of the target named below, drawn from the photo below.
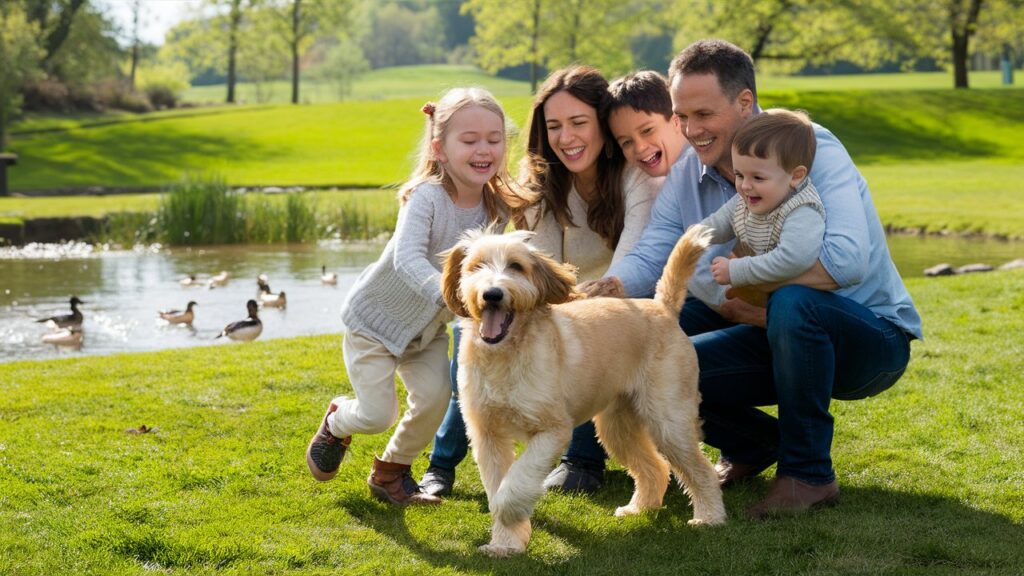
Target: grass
(931, 472)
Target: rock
(939, 270)
(969, 268)
(1013, 264)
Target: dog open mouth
(494, 324)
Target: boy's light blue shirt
(854, 252)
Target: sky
(157, 16)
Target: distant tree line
(69, 55)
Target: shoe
(730, 472)
(791, 496)
(437, 481)
(572, 477)
(393, 483)
(325, 451)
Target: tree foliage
(555, 33)
(399, 35)
(21, 58)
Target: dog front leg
(513, 503)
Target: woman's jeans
(451, 442)
(818, 346)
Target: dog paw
(499, 551)
(707, 521)
(627, 510)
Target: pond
(123, 290)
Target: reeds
(203, 210)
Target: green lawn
(928, 154)
(930, 472)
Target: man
(840, 330)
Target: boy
(777, 218)
(642, 123)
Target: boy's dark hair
(786, 134)
(644, 91)
(729, 63)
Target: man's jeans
(818, 346)
(451, 442)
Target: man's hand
(741, 312)
(720, 270)
(610, 287)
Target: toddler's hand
(720, 270)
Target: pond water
(124, 289)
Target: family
(796, 303)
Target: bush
(47, 94)
(163, 84)
(201, 210)
(161, 97)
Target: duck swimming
(66, 320)
(274, 300)
(189, 280)
(71, 336)
(245, 330)
(179, 316)
(328, 277)
(219, 280)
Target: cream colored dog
(538, 360)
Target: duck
(328, 277)
(245, 330)
(188, 281)
(262, 286)
(71, 336)
(179, 316)
(272, 300)
(66, 320)
(219, 280)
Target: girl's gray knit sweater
(397, 297)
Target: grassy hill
(928, 153)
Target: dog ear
(450, 276)
(556, 281)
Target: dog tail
(671, 290)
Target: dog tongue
(490, 323)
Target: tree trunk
(55, 39)
(135, 44)
(961, 33)
(533, 46)
(234, 20)
(295, 50)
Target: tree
(21, 57)
(399, 35)
(54, 30)
(300, 21)
(555, 33)
(790, 34)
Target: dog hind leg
(625, 437)
(675, 429)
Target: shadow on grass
(872, 530)
(161, 153)
(924, 125)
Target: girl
(591, 211)
(395, 314)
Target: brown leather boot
(791, 496)
(393, 483)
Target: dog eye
(515, 266)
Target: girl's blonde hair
(503, 200)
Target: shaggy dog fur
(537, 360)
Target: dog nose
(493, 295)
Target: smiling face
(574, 134)
(709, 117)
(762, 182)
(649, 140)
(472, 149)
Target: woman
(590, 209)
